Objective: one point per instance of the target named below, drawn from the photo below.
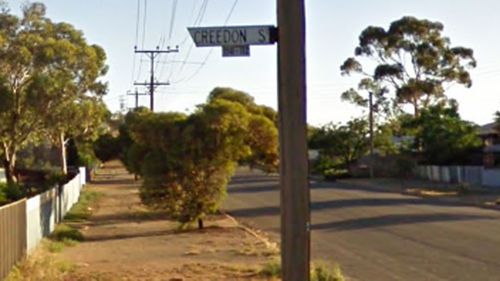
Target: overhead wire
(197, 21)
(137, 19)
(200, 67)
(170, 32)
(144, 23)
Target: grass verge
(319, 272)
(41, 265)
(82, 210)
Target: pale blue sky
(333, 27)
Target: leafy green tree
(189, 160)
(346, 142)
(262, 138)
(41, 64)
(445, 138)
(107, 147)
(413, 59)
(262, 135)
(81, 120)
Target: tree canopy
(45, 69)
(412, 59)
(186, 160)
(445, 138)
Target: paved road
(379, 236)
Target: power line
(172, 22)
(144, 21)
(137, 19)
(211, 50)
(197, 21)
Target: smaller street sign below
(236, 51)
(232, 35)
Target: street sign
(232, 35)
(236, 51)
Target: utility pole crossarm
(153, 52)
(152, 84)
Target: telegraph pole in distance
(294, 174)
(137, 94)
(152, 54)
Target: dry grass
(431, 192)
(41, 265)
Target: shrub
(271, 269)
(322, 273)
(334, 174)
(11, 192)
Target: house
(491, 143)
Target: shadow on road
(345, 203)
(391, 220)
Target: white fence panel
(491, 177)
(44, 211)
(41, 216)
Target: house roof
(488, 129)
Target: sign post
(295, 215)
(236, 41)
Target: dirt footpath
(125, 241)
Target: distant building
(491, 143)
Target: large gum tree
(43, 65)
(413, 59)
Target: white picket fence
(474, 175)
(45, 210)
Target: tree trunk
(200, 223)
(371, 136)
(416, 109)
(62, 155)
(9, 164)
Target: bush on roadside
(11, 192)
(334, 174)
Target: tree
(445, 138)
(262, 135)
(412, 58)
(347, 142)
(189, 160)
(41, 64)
(81, 120)
(107, 147)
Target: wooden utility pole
(137, 94)
(152, 84)
(372, 162)
(295, 215)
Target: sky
(332, 30)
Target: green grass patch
(82, 210)
(55, 246)
(319, 272)
(271, 269)
(64, 232)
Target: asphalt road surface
(381, 236)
